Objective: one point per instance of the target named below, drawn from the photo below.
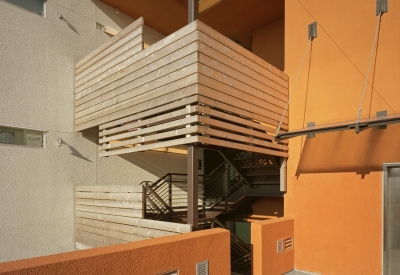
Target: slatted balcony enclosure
(194, 86)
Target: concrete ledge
(154, 256)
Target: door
(392, 219)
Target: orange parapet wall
(155, 256)
(264, 237)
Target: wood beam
(193, 10)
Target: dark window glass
(36, 6)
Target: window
(19, 136)
(36, 6)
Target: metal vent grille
(279, 246)
(289, 243)
(202, 268)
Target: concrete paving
(295, 272)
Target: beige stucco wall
(37, 91)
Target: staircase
(241, 256)
(227, 193)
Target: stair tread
(272, 182)
(263, 174)
(256, 166)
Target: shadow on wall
(117, 17)
(158, 163)
(345, 151)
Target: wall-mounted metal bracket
(381, 114)
(312, 31)
(310, 124)
(381, 6)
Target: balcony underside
(194, 86)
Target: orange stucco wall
(335, 179)
(154, 256)
(264, 237)
(268, 43)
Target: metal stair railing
(171, 197)
(241, 255)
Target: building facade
(335, 181)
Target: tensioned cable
(294, 85)
(369, 68)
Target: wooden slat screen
(107, 215)
(195, 85)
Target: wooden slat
(152, 120)
(235, 137)
(243, 88)
(170, 143)
(242, 72)
(265, 108)
(91, 78)
(110, 188)
(235, 119)
(234, 128)
(239, 146)
(223, 73)
(241, 112)
(89, 242)
(111, 203)
(165, 226)
(239, 49)
(175, 97)
(141, 67)
(135, 62)
(135, 43)
(118, 93)
(110, 42)
(205, 39)
(107, 235)
(109, 196)
(166, 84)
(176, 123)
(227, 99)
(110, 210)
(174, 133)
(149, 113)
(132, 229)
(81, 246)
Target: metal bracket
(310, 124)
(381, 114)
(312, 31)
(381, 6)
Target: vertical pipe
(193, 185)
(193, 10)
(170, 191)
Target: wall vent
(288, 243)
(279, 246)
(202, 268)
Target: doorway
(391, 199)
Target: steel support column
(192, 185)
(193, 10)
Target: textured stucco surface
(334, 190)
(146, 257)
(264, 237)
(37, 91)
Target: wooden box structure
(194, 86)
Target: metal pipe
(193, 185)
(193, 10)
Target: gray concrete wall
(37, 57)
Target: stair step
(263, 174)
(270, 182)
(256, 166)
(251, 157)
